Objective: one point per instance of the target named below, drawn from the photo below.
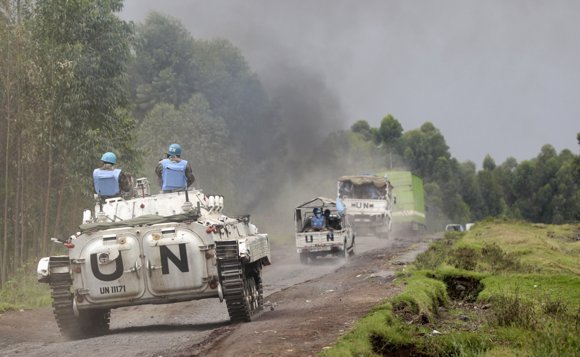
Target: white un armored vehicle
(369, 202)
(155, 249)
(322, 229)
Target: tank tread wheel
(241, 283)
(87, 323)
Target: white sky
(498, 77)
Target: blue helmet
(316, 210)
(109, 157)
(174, 150)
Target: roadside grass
(505, 288)
(22, 291)
(421, 298)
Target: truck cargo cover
(379, 182)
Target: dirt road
(308, 308)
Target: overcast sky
(497, 77)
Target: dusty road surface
(307, 308)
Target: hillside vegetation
(501, 289)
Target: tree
(390, 130)
(163, 70)
(422, 147)
(434, 198)
(488, 163)
(470, 190)
(236, 94)
(504, 176)
(494, 204)
(84, 50)
(363, 128)
(64, 100)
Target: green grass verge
(23, 291)
(501, 289)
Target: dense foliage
(63, 101)
(203, 95)
(544, 189)
(76, 81)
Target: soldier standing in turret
(174, 173)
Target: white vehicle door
(173, 261)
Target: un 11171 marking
(112, 289)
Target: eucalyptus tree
(491, 191)
(17, 74)
(82, 51)
(504, 175)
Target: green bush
(497, 260)
(437, 252)
(463, 258)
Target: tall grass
(23, 291)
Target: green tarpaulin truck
(409, 208)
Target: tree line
(63, 98)
(77, 81)
(543, 189)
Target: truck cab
(368, 200)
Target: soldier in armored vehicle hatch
(109, 181)
(174, 173)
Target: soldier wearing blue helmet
(317, 219)
(174, 173)
(109, 181)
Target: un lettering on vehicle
(115, 289)
(175, 264)
(109, 266)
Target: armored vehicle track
(241, 283)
